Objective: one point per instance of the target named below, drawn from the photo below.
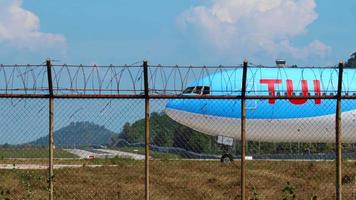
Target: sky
(183, 32)
(197, 32)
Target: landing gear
(225, 144)
(226, 158)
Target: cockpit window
(197, 90)
(206, 90)
(188, 90)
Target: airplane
(270, 120)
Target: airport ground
(118, 178)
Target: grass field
(181, 180)
(32, 152)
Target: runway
(45, 166)
(104, 153)
(63, 166)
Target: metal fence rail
(79, 95)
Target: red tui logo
(271, 89)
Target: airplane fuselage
(271, 120)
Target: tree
(191, 140)
(352, 61)
(168, 133)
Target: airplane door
(251, 104)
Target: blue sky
(197, 32)
(305, 32)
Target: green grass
(32, 152)
(169, 179)
(180, 180)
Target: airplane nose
(174, 104)
(170, 105)
(176, 110)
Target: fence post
(50, 146)
(243, 131)
(338, 130)
(147, 131)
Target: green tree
(166, 132)
(191, 140)
(352, 61)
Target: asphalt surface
(45, 166)
(104, 153)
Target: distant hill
(78, 133)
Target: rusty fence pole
(243, 131)
(147, 131)
(50, 146)
(338, 130)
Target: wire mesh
(299, 161)
(22, 166)
(195, 129)
(186, 162)
(349, 153)
(100, 168)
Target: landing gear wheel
(226, 158)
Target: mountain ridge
(82, 133)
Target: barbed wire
(163, 79)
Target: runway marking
(107, 153)
(41, 166)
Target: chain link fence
(189, 118)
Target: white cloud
(19, 28)
(255, 26)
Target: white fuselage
(319, 129)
